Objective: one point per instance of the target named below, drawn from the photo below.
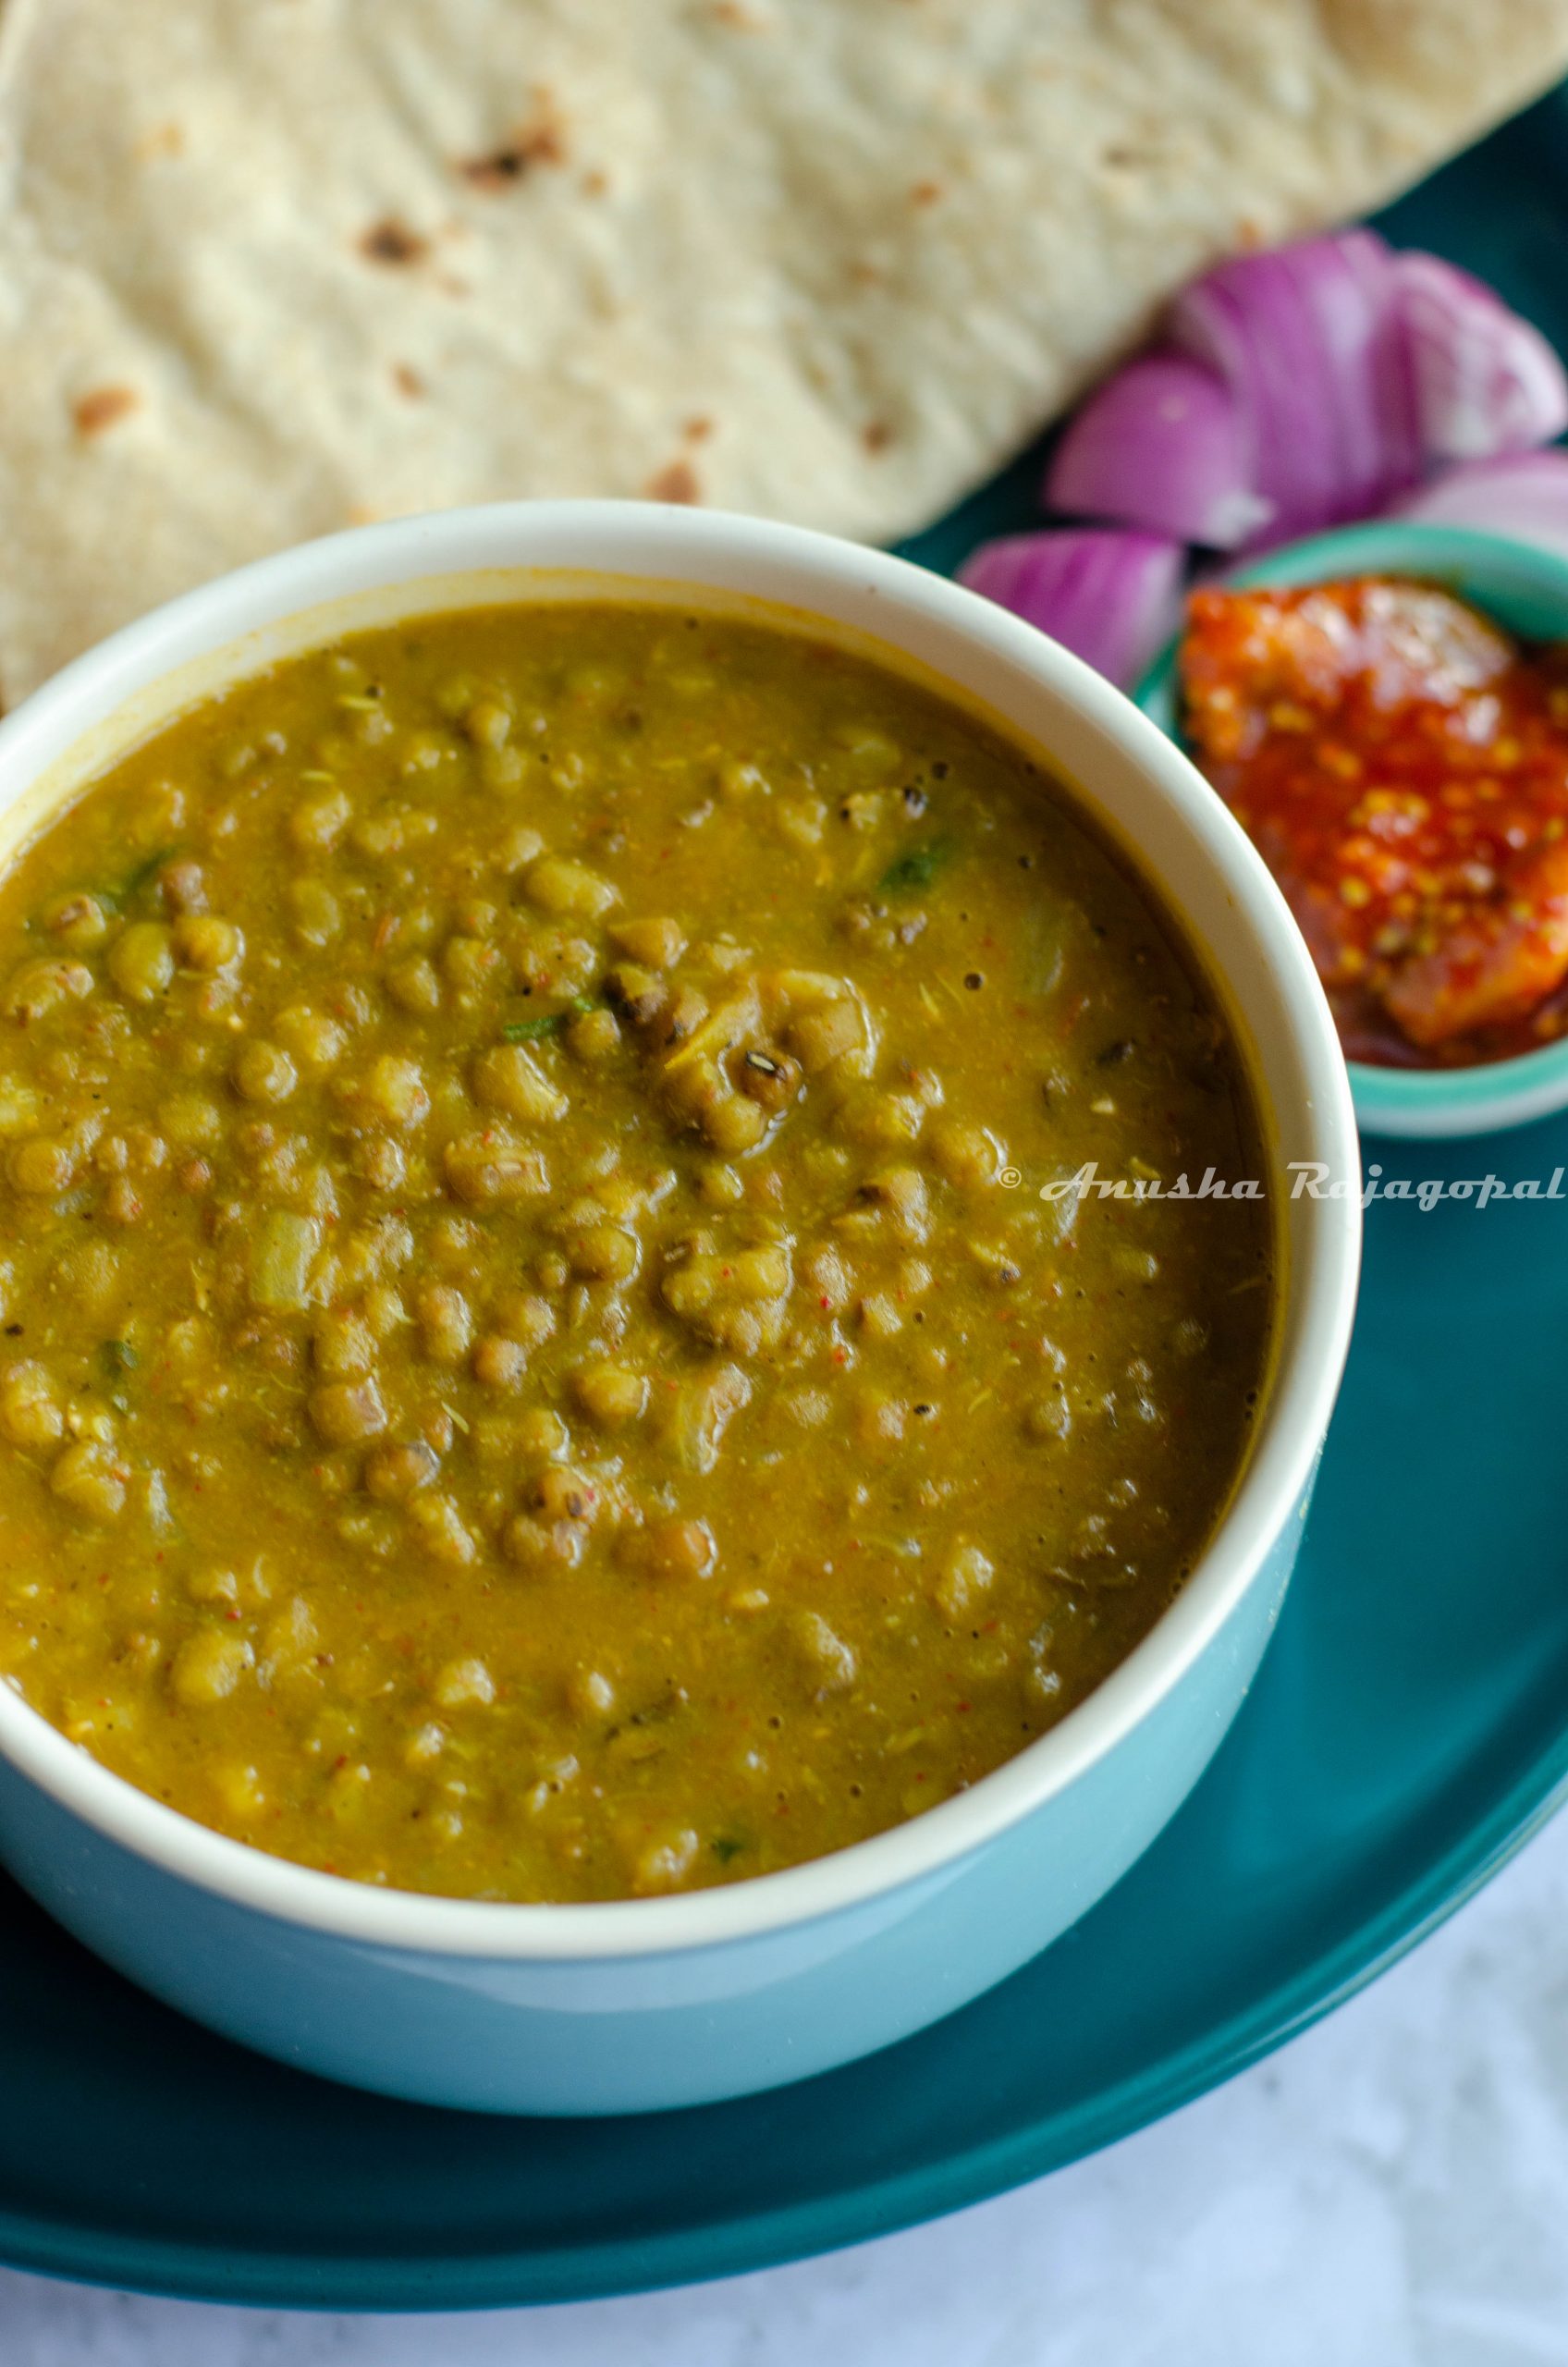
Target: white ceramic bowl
(670, 2001)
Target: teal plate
(1408, 1731)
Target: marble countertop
(1389, 2191)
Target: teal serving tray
(1408, 1732)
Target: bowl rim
(1487, 1095)
(712, 549)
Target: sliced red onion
(1308, 341)
(1159, 445)
(1521, 494)
(1484, 381)
(1112, 598)
(1308, 386)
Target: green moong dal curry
(535, 1362)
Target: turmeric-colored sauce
(550, 1348)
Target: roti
(266, 271)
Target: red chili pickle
(1403, 765)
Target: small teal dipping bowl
(1524, 589)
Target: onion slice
(1308, 340)
(1520, 494)
(1485, 380)
(1159, 445)
(1301, 387)
(1114, 599)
